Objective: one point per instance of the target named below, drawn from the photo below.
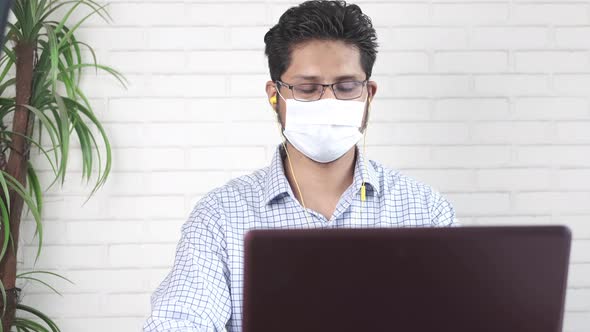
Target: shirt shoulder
(238, 192)
(400, 188)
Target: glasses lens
(348, 90)
(307, 91)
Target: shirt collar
(276, 183)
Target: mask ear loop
(275, 102)
(363, 186)
(364, 165)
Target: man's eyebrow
(307, 77)
(315, 78)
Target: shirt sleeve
(195, 295)
(442, 212)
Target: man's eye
(347, 86)
(308, 88)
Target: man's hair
(320, 20)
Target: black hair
(320, 20)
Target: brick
(446, 180)
(230, 109)
(469, 14)
(216, 14)
(154, 158)
(163, 231)
(113, 38)
(53, 232)
(471, 156)
(72, 305)
(247, 37)
(137, 62)
(144, 110)
(461, 109)
(251, 62)
(576, 321)
(511, 84)
(480, 203)
(98, 324)
(579, 276)
(572, 84)
(549, 61)
(578, 299)
(150, 14)
(544, 155)
(467, 62)
(418, 133)
(92, 280)
(141, 255)
(509, 37)
(151, 134)
(514, 179)
(563, 202)
(103, 85)
(572, 37)
(184, 85)
(513, 220)
(226, 158)
(557, 14)
(74, 207)
(65, 257)
(400, 156)
(419, 38)
(573, 179)
(401, 62)
(185, 38)
(248, 85)
(137, 207)
(513, 132)
(399, 110)
(551, 108)
(189, 182)
(573, 132)
(426, 86)
(100, 232)
(395, 14)
(129, 304)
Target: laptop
(464, 279)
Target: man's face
(320, 61)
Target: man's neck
(321, 184)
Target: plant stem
(17, 167)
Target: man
(320, 56)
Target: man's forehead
(324, 60)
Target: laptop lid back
(465, 279)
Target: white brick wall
(486, 100)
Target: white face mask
(325, 129)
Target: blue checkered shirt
(203, 291)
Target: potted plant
(40, 74)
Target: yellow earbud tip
(363, 193)
(273, 99)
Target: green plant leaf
(44, 317)
(20, 190)
(46, 272)
(44, 283)
(3, 291)
(5, 227)
(35, 186)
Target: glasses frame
(324, 86)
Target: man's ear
(271, 92)
(371, 90)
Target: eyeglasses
(344, 90)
